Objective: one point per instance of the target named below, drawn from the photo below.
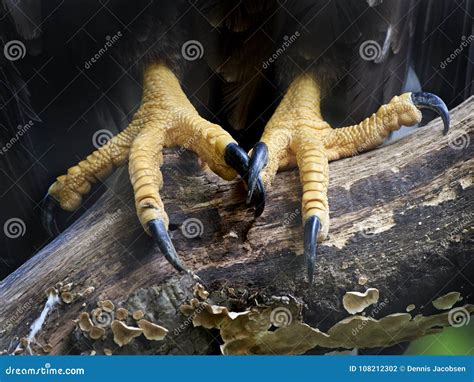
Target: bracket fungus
(96, 332)
(362, 280)
(249, 332)
(85, 323)
(121, 314)
(356, 302)
(47, 348)
(67, 297)
(152, 331)
(138, 315)
(106, 306)
(447, 301)
(200, 291)
(124, 334)
(65, 288)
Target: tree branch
(401, 222)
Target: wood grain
(401, 216)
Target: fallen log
(401, 224)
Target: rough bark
(401, 216)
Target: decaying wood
(401, 222)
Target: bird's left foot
(297, 134)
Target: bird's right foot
(166, 118)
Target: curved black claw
(311, 230)
(432, 102)
(49, 209)
(160, 234)
(258, 161)
(236, 157)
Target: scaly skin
(296, 133)
(298, 129)
(165, 118)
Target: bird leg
(298, 131)
(165, 118)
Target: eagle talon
(49, 209)
(258, 160)
(160, 234)
(312, 227)
(236, 157)
(433, 102)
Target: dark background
(68, 103)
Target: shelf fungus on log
(356, 302)
(447, 301)
(152, 331)
(96, 332)
(124, 334)
(122, 314)
(249, 332)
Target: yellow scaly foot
(165, 118)
(298, 131)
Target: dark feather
(445, 49)
(85, 58)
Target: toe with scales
(165, 118)
(297, 129)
